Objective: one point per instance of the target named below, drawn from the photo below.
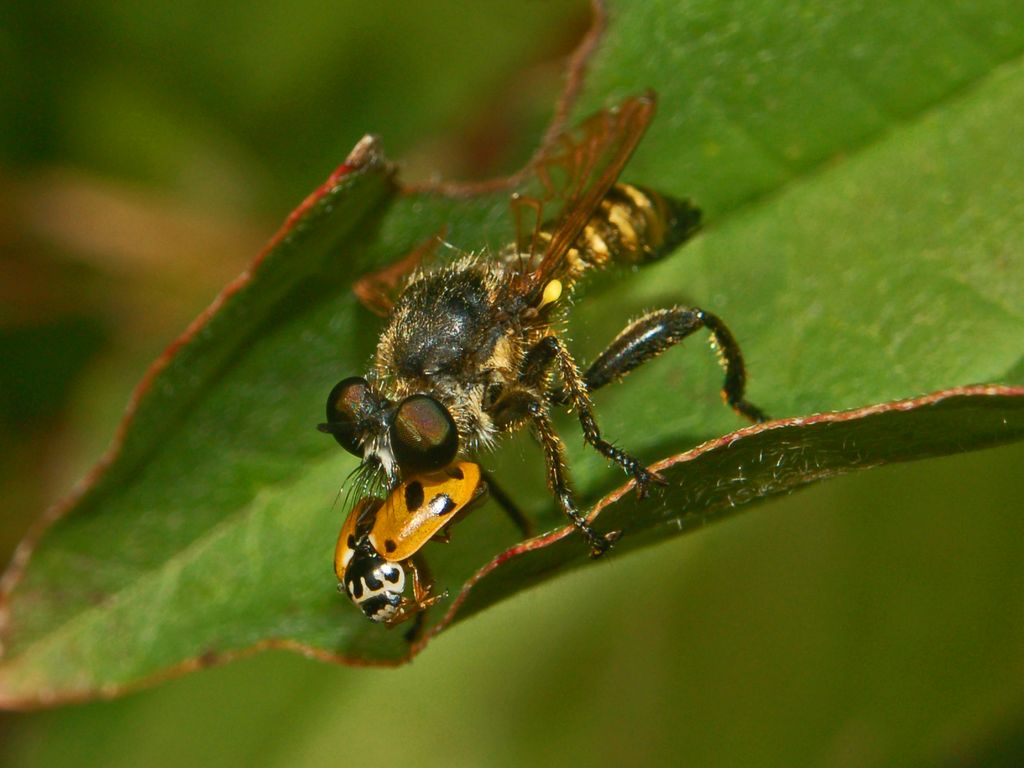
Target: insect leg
(576, 393)
(376, 291)
(422, 582)
(505, 501)
(649, 336)
(558, 479)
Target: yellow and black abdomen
(633, 225)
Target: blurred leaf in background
(873, 621)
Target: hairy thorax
(454, 333)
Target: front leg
(558, 479)
(551, 349)
(377, 290)
(516, 515)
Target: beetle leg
(444, 536)
(421, 598)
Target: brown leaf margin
(364, 156)
(1003, 399)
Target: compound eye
(350, 403)
(423, 435)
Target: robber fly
(471, 349)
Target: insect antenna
(528, 214)
(447, 245)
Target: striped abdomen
(632, 225)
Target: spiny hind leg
(649, 336)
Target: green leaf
(731, 472)
(864, 199)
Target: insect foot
(410, 608)
(601, 544)
(644, 479)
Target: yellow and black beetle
(381, 540)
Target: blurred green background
(145, 155)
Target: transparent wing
(571, 179)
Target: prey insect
(471, 349)
(380, 541)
